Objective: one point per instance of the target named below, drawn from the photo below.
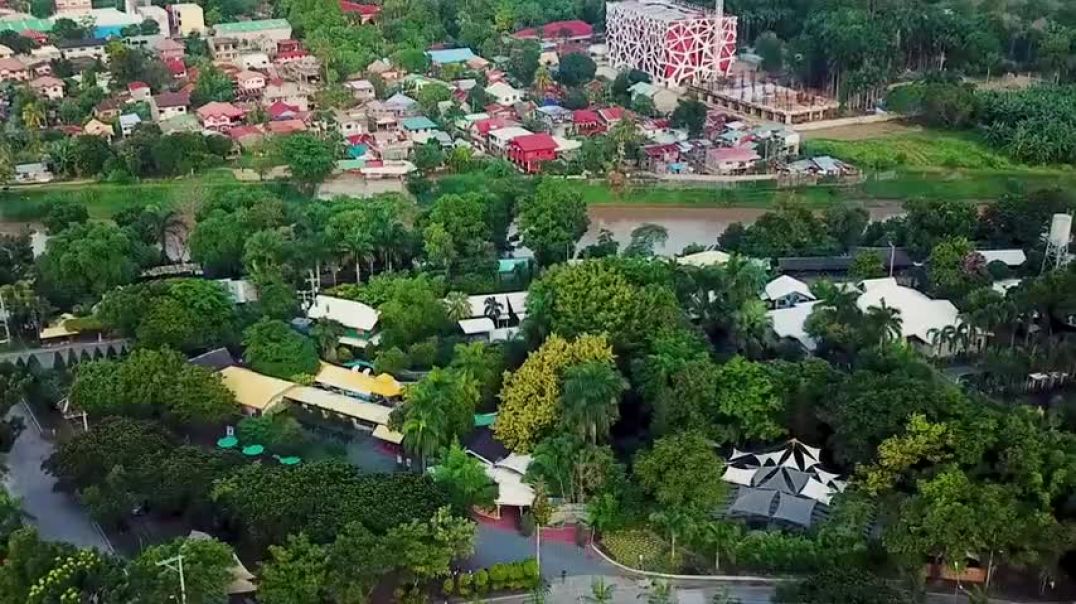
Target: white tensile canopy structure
(786, 484)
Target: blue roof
(451, 55)
(419, 122)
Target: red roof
(33, 34)
(558, 29)
(218, 109)
(734, 154)
(359, 9)
(239, 132)
(535, 142)
(585, 116)
(280, 108)
(286, 126)
(291, 54)
(611, 114)
(175, 66)
(137, 86)
(493, 123)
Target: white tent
(739, 475)
(817, 491)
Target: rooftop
(254, 390)
(557, 29)
(535, 142)
(663, 10)
(451, 55)
(419, 122)
(224, 29)
(348, 313)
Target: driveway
(56, 515)
(501, 542)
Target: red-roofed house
(559, 31)
(13, 70)
(219, 116)
(660, 156)
(530, 150)
(285, 126)
(171, 104)
(139, 91)
(586, 122)
(611, 115)
(245, 135)
(282, 111)
(35, 35)
(288, 46)
(480, 129)
(731, 160)
(289, 57)
(366, 12)
(176, 67)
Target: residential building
(558, 31)
(259, 34)
(38, 67)
(450, 56)
(528, 152)
(504, 94)
(290, 93)
(586, 122)
(350, 122)
(158, 15)
(108, 109)
(658, 158)
(611, 115)
(281, 111)
(786, 292)
(731, 160)
(365, 12)
(254, 60)
(93, 48)
(128, 122)
(249, 83)
(48, 87)
(225, 49)
(139, 91)
(13, 70)
(48, 52)
(417, 124)
(171, 104)
(358, 319)
(186, 18)
(362, 90)
(664, 99)
(497, 140)
(96, 127)
(177, 68)
(7, 53)
(37, 172)
(67, 7)
(219, 116)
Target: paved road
(631, 591)
(495, 544)
(56, 515)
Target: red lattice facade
(672, 42)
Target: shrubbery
(513, 576)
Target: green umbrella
(228, 442)
(253, 450)
(290, 461)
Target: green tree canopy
(273, 348)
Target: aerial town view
(537, 301)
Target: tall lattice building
(677, 44)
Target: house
(6, 53)
(13, 70)
(664, 99)
(246, 136)
(258, 34)
(418, 124)
(48, 52)
(168, 49)
(288, 46)
(494, 317)
(786, 292)
(176, 67)
(362, 90)
(108, 109)
(64, 7)
(704, 259)
(657, 158)
(400, 104)
(529, 151)
(365, 12)
(254, 60)
(256, 394)
(825, 166)
(35, 30)
(249, 83)
(282, 127)
(586, 122)
(217, 359)
(290, 93)
(224, 49)
(1011, 258)
(351, 122)
(139, 91)
(96, 127)
(497, 140)
(450, 56)
(558, 31)
(382, 389)
(611, 115)
(171, 104)
(219, 116)
(128, 122)
(91, 48)
(37, 172)
(48, 87)
(283, 111)
(504, 94)
(731, 160)
(358, 319)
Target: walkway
(56, 515)
(502, 542)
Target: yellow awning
(352, 381)
(338, 403)
(390, 436)
(254, 390)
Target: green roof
(482, 420)
(245, 27)
(350, 164)
(42, 25)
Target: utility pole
(178, 567)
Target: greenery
(273, 348)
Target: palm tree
(659, 593)
(590, 398)
(494, 309)
(720, 535)
(676, 523)
(327, 334)
(424, 430)
(457, 307)
(751, 327)
(542, 79)
(600, 592)
(33, 116)
(885, 323)
(553, 459)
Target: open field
(862, 131)
(915, 149)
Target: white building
(359, 320)
(786, 292)
(504, 94)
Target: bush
(448, 586)
(423, 354)
(635, 547)
(465, 584)
(498, 576)
(481, 581)
(391, 361)
(526, 524)
(515, 575)
(531, 572)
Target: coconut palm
(751, 327)
(33, 116)
(590, 398)
(720, 536)
(457, 307)
(424, 430)
(884, 322)
(542, 79)
(676, 523)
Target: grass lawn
(104, 199)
